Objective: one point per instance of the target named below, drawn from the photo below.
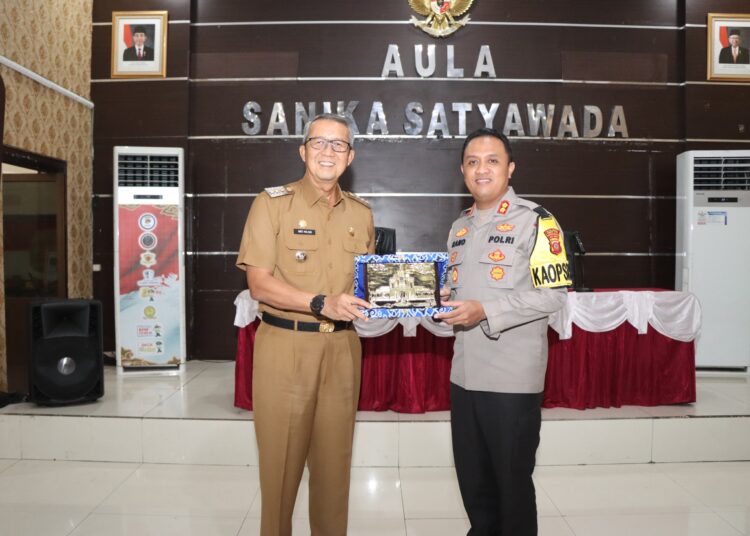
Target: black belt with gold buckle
(298, 325)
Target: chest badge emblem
(496, 256)
(301, 256)
(505, 227)
(462, 232)
(497, 273)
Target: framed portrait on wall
(139, 44)
(729, 47)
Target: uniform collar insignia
(355, 197)
(278, 191)
(507, 202)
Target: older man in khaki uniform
(298, 249)
(506, 264)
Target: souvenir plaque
(401, 285)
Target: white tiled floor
(48, 498)
(60, 498)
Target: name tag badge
(304, 231)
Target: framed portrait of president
(728, 47)
(139, 44)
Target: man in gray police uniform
(506, 262)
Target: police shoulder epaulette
(278, 191)
(543, 212)
(356, 198)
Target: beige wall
(53, 39)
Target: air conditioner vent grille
(148, 170)
(717, 173)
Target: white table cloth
(674, 314)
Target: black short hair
(491, 132)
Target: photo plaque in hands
(401, 285)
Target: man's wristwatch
(317, 303)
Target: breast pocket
(352, 248)
(300, 255)
(496, 264)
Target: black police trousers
(495, 438)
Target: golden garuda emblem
(441, 15)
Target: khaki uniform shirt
(305, 242)
(489, 263)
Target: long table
(606, 349)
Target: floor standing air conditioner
(149, 266)
(713, 251)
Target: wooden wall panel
(696, 10)
(432, 166)
(218, 272)
(618, 194)
(140, 109)
(135, 112)
(103, 280)
(647, 55)
(716, 112)
(696, 54)
(629, 272)
(662, 12)
(178, 9)
(211, 331)
(611, 225)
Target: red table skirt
(611, 369)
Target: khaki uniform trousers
(305, 395)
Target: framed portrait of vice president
(139, 44)
(729, 47)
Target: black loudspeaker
(66, 352)
(385, 241)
